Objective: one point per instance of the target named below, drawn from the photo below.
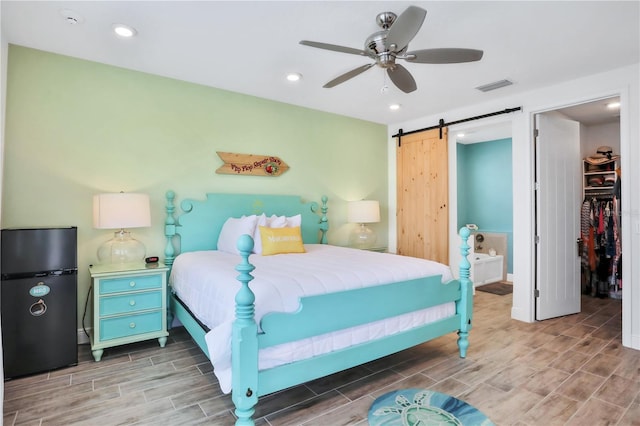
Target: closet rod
(442, 124)
(598, 194)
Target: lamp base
(362, 237)
(122, 248)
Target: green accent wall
(76, 128)
(485, 188)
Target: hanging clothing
(601, 249)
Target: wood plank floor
(566, 371)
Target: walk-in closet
(600, 243)
(600, 224)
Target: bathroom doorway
(483, 195)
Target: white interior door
(557, 204)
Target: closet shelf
(599, 179)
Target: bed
(269, 322)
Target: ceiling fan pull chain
(385, 87)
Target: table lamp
(119, 211)
(363, 212)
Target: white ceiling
(248, 47)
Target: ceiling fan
(391, 43)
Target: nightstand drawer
(116, 327)
(136, 282)
(130, 302)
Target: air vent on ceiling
(495, 85)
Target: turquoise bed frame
(198, 227)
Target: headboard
(200, 222)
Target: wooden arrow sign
(249, 164)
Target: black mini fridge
(38, 295)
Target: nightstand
(129, 304)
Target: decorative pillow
(277, 221)
(232, 229)
(273, 222)
(281, 240)
(269, 222)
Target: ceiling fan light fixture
(124, 31)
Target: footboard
(332, 312)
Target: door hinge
(536, 239)
(536, 293)
(536, 186)
(535, 133)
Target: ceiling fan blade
(348, 75)
(444, 56)
(333, 47)
(405, 28)
(402, 78)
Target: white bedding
(206, 282)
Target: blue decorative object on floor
(422, 407)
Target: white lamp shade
(365, 211)
(121, 210)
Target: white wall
(598, 135)
(623, 82)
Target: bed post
(244, 341)
(465, 304)
(169, 229)
(324, 222)
(169, 250)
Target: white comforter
(206, 282)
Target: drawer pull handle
(132, 303)
(132, 284)
(132, 325)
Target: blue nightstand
(129, 305)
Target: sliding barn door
(423, 207)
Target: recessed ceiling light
(460, 135)
(613, 105)
(294, 76)
(394, 107)
(124, 30)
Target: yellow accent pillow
(281, 240)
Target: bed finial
(464, 251)
(324, 222)
(169, 229)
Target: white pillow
(232, 229)
(257, 241)
(268, 222)
(293, 221)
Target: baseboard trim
(518, 314)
